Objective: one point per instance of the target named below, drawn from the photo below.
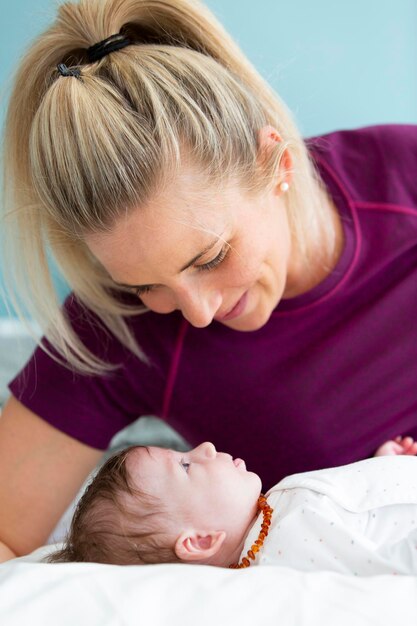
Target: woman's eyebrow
(185, 267)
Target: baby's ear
(192, 545)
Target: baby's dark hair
(115, 522)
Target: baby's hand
(400, 445)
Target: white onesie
(358, 519)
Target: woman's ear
(268, 136)
(192, 545)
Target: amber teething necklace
(257, 545)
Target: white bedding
(78, 594)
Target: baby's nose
(206, 449)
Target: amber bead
(267, 511)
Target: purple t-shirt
(330, 377)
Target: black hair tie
(66, 71)
(111, 44)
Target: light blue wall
(335, 64)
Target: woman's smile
(237, 310)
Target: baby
(154, 505)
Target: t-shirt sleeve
(92, 409)
(378, 160)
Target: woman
(223, 270)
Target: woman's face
(211, 254)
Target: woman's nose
(197, 307)
(206, 450)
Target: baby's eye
(185, 465)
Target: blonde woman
(246, 285)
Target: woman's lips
(236, 311)
(239, 463)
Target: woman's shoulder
(396, 140)
(93, 408)
(373, 163)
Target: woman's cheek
(245, 270)
(158, 302)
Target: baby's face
(202, 489)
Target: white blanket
(78, 594)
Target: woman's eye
(215, 262)
(140, 291)
(185, 465)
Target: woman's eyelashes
(216, 261)
(210, 265)
(142, 290)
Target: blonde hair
(81, 151)
(117, 522)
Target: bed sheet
(69, 594)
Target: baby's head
(153, 505)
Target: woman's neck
(306, 274)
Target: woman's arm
(41, 471)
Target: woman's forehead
(190, 183)
(188, 201)
(171, 214)
(189, 204)
(159, 239)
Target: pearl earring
(284, 187)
